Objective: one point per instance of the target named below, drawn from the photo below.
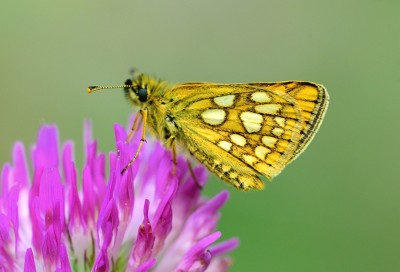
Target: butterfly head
(136, 91)
(139, 90)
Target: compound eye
(128, 82)
(142, 94)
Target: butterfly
(239, 131)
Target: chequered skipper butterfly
(238, 131)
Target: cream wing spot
(233, 174)
(269, 141)
(238, 139)
(277, 131)
(250, 159)
(252, 127)
(280, 121)
(251, 121)
(225, 101)
(217, 162)
(251, 117)
(268, 108)
(261, 97)
(226, 168)
(225, 145)
(261, 152)
(213, 116)
(244, 181)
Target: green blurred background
(336, 208)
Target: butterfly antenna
(92, 89)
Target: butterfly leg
(142, 140)
(174, 156)
(132, 129)
(193, 175)
(170, 142)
